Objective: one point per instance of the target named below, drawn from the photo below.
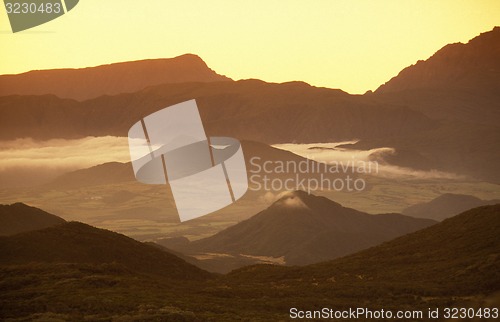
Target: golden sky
(355, 45)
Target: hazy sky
(352, 45)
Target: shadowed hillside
(247, 109)
(75, 242)
(459, 256)
(18, 218)
(445, 206)
(111, 172)
(460, 82)
(451, 264)
(305, 229)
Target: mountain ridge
(109, 79)
(446, 206)
(20, 218)
(459, 66)
(304, 229)
(75, 242)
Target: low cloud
(24, 162)
(331, 152)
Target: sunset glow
(352, 45)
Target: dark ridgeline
(78, 243)
(303, 229)
(72, 271)
(446, 206)
(18, 218)
(128, 77)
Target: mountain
(459, 82)
(91, 82)
(445, 206)
(474, 65)
(255, 154)
(442, 118)
(106, 173)
(18, 218)
(458, 258)
(451, 264)
(78, 243)
(459, 88)
(248, 109)
(304, 229)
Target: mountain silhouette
(85, 83)
(440, 114)
(457, 257)
(474, 65)
(19, 218)
(450, 264)
(459, 82)
(306, 229)
(106, 173)
(247, 109)
(78, 243)
(445, 206)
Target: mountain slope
(474, 65)
(106, 173)
(459, 256)
(451, 264)
(459, 82)
(91, 82)
(446, 116)
(79, 243)
(306, 229)
(248, 109)
(445, 206)
(18, 218)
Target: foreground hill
(445, 206)
(451, 264)
(305, 229)
(19, 218)
(79, 243)
(459, 257)
(91, 82)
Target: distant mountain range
(107, 173)
(18, 218)
(301, 229)
(438, 114)
(86, 83)
(445, 206)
